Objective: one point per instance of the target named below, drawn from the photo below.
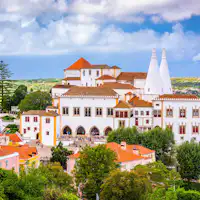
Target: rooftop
(136, 102)
(123, 104)
(62, 86)
(72, 79)
(106, 77)
(13, 137)
(117, 86)
(178, 96)
(40, 113)
(90, 91)
(130, 76)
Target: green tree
(162, 194)
(19, 94)
(187, 195)
(59, 154)
(35, 101)
(5, 84)
(92, 167)
(124, 185)
(188, 157)
(6, 103)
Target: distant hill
(180, 85)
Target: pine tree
(6, 85)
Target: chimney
(136, 151)
(123, 145)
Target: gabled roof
(116, 85)
(178, 96)
(80, 64)
(25, 151)
(124, 155)
(106, 77)
(123, 104)
(40, 113)
(130, 76)
(90, 91)
(72, 79)
(136, 102)
(115, 67)
(61, 86)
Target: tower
(164, 73)
(154, 84)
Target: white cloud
(196, 57)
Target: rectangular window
(121, 123)
(147, 113)
(47, 132)
(83, 72)
(24, 131)
(76, 111)
(90, 72)
(142, 113)
(109, 111)
(29, 128)
(169, 126)
(117, 113)
(35, 119)
(47, 120)
(136, 121)
(136, 112)
(97, 73)
(27, 119)
(157, 113)
(147, 121)
(65, 111)
(98, 112)
(195, 112)
(195, 129)
(121, 114)
(88, 112)
(6, 163)
(182, 129)
(35, 128)
(125, 114)
(169, 112)
(182, 113)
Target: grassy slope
(186, 85)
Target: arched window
(94, 131)
(80, 130)
(67, 130)
(107, 130)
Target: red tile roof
(105, 77)
(136, 102)
(117, 86)
(63, 86)
(80, 64)
(178, 96)
(104, 66)
(130, 76)
(41, 113)
(72, 79)
(13, 137)
(123, 104)
(124, 155)
(25, 151)
(115, 67)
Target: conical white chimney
(154, 84)
(164, 73)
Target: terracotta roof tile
(63, 86)
(90, 91)
(25, 151)
(52, 107)
(40, 113)
(123, 104)
(105, 77)
(115, 67)
(80, 64)
(117, 86)
(72, 79)
(130, 76)
(100, 66)
(136, 102)
(178, 96)
(124, 155)
(14, 137)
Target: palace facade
(95, 99)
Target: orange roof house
(106, 77)
(127, 155)
(136, 102)
(178, 96)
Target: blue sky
(39, 38)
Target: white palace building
(95, 99)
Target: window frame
(64, 109)
(87, 110)
(76, 110)
(98, 111)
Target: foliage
(35, 101)
(13, 128)
(187, 195)
(92, 167)
(5, 84)
(59, 154)
(19, 94)
(162, 141)
(34, 183)
(188, 156)
(158, 174)
(8, 118)
(124, 185)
